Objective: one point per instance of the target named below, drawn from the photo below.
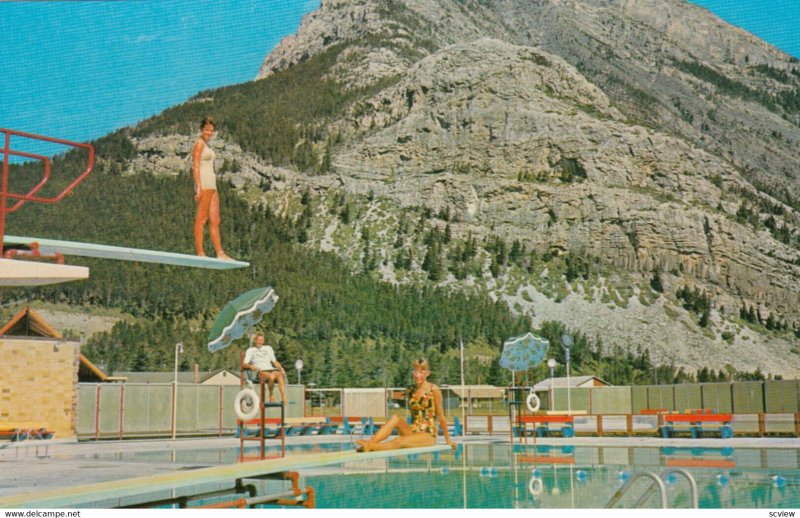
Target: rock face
(646, 135)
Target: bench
(697, 424)
(543, 429)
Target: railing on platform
(20, 198)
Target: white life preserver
(535, 487)
(246, 404)
(533, 402)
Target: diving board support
(140, 487)
(50, 246)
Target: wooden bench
(697, 424)
(567, 422)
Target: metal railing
(21, 199)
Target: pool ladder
(658, 484)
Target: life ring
(533, 402)
(535, 487)
(246, 404)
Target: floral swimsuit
(423, 413)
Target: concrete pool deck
(42, 465)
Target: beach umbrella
(239, 316)
(523, 352)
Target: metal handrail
(664, 474)
(29, 196)
(636, 476)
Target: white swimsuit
(208, 179)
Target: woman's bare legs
(203, 208)
(414, 440)
(213, 226)
(394, 422)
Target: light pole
(299, 366)
(552, 364)
(178, 350)
(566, 342)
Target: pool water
(501, 476)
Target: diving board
(35, 273)
(83, 496)
(50, 246)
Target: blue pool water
(502, 476)
(497, 476)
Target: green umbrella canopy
(239, 316)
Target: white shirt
(261, 357)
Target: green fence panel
(688, 397)
(576, 398)
(717, 396)
(638, 399)
(748, 397)
(135, 409)
(228, 413)
(782, 396)
(87, 403)
(109, 409)
(207, 409)
(188, 403)
(611, 400)
(661, 396)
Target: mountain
(628, 168)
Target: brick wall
(38, 383)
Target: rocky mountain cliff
(584, 160)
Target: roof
(88, 371)
(477, 391)
(574, 382)
(28, 323)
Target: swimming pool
(502, 476)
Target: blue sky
(775, 21)
(80, 69)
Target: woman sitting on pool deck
(426, 409)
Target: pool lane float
(533, 402)
(246, 404)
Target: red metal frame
(30, 195)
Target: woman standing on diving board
(205, 190)
(427, 415)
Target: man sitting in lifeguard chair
(260, 360)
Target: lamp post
(552, 364)
(178, 350)
(299, 366)
(566, 343)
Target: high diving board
(83, 496)
(50, 246)
(35, 273)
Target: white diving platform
(50, 246)
(36, 273)
(130, 488)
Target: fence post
(121, 408)
(797, 424)
(762, 425)
(220, 410)
(629, 424)
(599, 424)
(97, 414)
